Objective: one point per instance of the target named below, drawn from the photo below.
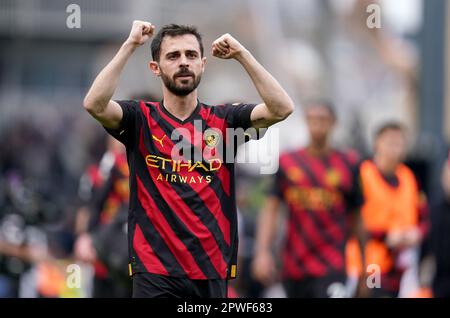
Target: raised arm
(277, 104)
(98, 99)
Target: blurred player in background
(318, 184)
(101, 223)
(182, 225)
(394, 212)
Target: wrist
(262, 251)
(130, 45)
(243, 55)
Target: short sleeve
(238, 115)
(126, 130)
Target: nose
(184, 61)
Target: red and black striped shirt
(182, 216)
(319, 193)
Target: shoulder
(350, 155)
(408, 173)
(291, 154)
(367, 168)
(227, 107)
(403, 168)
(127, 102)
(129, 107)
(219, 110)
(227, 111)
(147, 105)
(289, 166)
(137, 104)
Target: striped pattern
(316, 191)
(180, 225)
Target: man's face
(181, 65)
(391, 145)
(320, 123)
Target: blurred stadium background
(316, 48)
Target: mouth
(184, 78)
(184, 75)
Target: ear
(203, 63)
(154, 67)
(375, 143)
(333, 122)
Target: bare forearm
(20, 252)
(274, 96)
(98, 100)
(266, 230)
(106, 82)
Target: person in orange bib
(394, 213)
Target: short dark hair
(390, 125)
(173, 30)
(328, 105)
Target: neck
(180, 106)
(385, 166)
(318, 148)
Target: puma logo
(159, 140)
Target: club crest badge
(212, 138)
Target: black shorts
(317, 287)
(147, 285)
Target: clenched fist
(264, 269)
(141, 32)
(227, 47)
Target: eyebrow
(172, 53)
(178, 52)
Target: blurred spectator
(28, 203)
(394, 212)
(101, 224)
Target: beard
(186, 86)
